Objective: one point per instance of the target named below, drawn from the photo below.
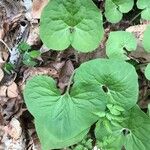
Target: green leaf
(115, 8)
(34, 53)
(27, 60)
(23, 47)
(119, 43)
(117, 79)
(61, 120)
(71, 22)
(147, 72)
(146, 41)
(145, 5)
(132, 133)
(9, 67)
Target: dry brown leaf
(29, 73)
(65, 75)
(3, 90)
(14, 129)
(13, 137)
(1, 74)
(34, 37)
(137, 30)
(12, 90)
(37, 8)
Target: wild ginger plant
(104, 91)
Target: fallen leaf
(29, 73)
(12, 90)
(34, 38)
(37, 8)
(1, 74)
(3, 90)
(13, 129)
(65, 75)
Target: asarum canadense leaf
(115, 8)
(116, 78)
(146, 39)
(63, 120)
(145, 5)
(132, 133)
(119, 43)
(71, 22)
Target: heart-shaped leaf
(145, 5)
(71, 22)
(115, 8)
(116, 78)
(131, 133)
(63, 120)
(119, 43)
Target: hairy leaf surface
(71, 22)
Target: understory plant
(104, 91)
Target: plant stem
(136, 16)
(70, 82)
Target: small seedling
(28, 55)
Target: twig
(5, 45)
(136, 16)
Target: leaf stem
(70, 82)
(135, 17)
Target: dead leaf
(13, 138)
(137, 30)
(3, 90)
(1, 74)
(65, 75)
(12, 90)
(10, 107)
(37, 8)
(34, 37)
(29, 73)
(14, 129)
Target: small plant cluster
(104, 91)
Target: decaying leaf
(14, 129)
(12, 90)
(34, 38)
(1, 74)
(3, 90)
(13, 138)
(37, 8)
(29, 73)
